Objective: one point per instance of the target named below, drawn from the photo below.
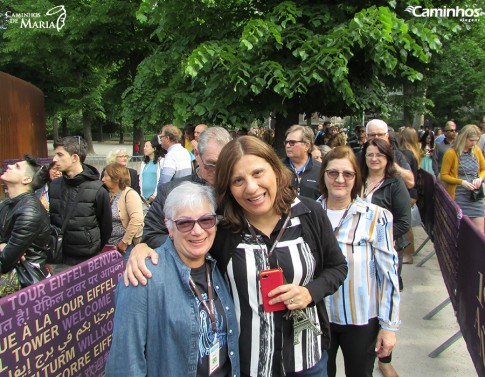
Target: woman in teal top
(150, 170)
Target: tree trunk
(122, 135)
(282, 124)
(100, 132)
(407, 92)
(64, 127)
(138, 137)
(55, 128)
(88, 136)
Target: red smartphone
(269, 280)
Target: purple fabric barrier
(471, 292)
(425, 203)
(42, 161)
(61, 326)
(447, 226)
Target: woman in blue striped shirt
(366, 306)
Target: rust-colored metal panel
(22, 119)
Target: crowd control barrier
(460, 248)
(61, 326)
(470, 294)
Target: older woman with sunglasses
(366, 306)
(183, 323)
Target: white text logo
(419, 11)
(37, 21)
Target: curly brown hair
(230, 155)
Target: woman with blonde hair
(463, 170)
(121, 156)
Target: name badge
(214, 357)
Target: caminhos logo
(35, 20)
(419, 11)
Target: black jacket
(330, 264)
(84, 199)
(155, 232)
(308, 182)
(24, 227)
(394, 196)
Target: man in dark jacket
(79, 198)
(298, 147)
(24, 222)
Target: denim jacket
(156, 327)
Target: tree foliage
(233, 61)
(455, 80)
(83, 68)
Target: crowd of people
(209, 215)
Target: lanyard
(299, 173)
(278, 238)
(367, 193)
(211, 310)
(337, 228)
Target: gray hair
(188, 195)
(307, 134)
(378, 123)
(112, 154)
(219, 135)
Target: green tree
(455, 80)
(233, 61)
(84, 67)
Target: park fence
(460, 249)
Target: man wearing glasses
(211, 142)
(298, 147)
(441, 147)
(377, 128)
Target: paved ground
(424, 289)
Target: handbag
(477, 194)
(415, 216)
(28, 273)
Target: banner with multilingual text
(61, 326)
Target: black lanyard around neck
(278, 238)
(337, 228)
(211, 310)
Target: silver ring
(291, 301)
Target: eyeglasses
(381, 134)
(376, 155)
(208, 167)
(334, 174)
(205, 222)
(361, 131)
(450, 130)
(293, 142)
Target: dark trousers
(358, 348)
